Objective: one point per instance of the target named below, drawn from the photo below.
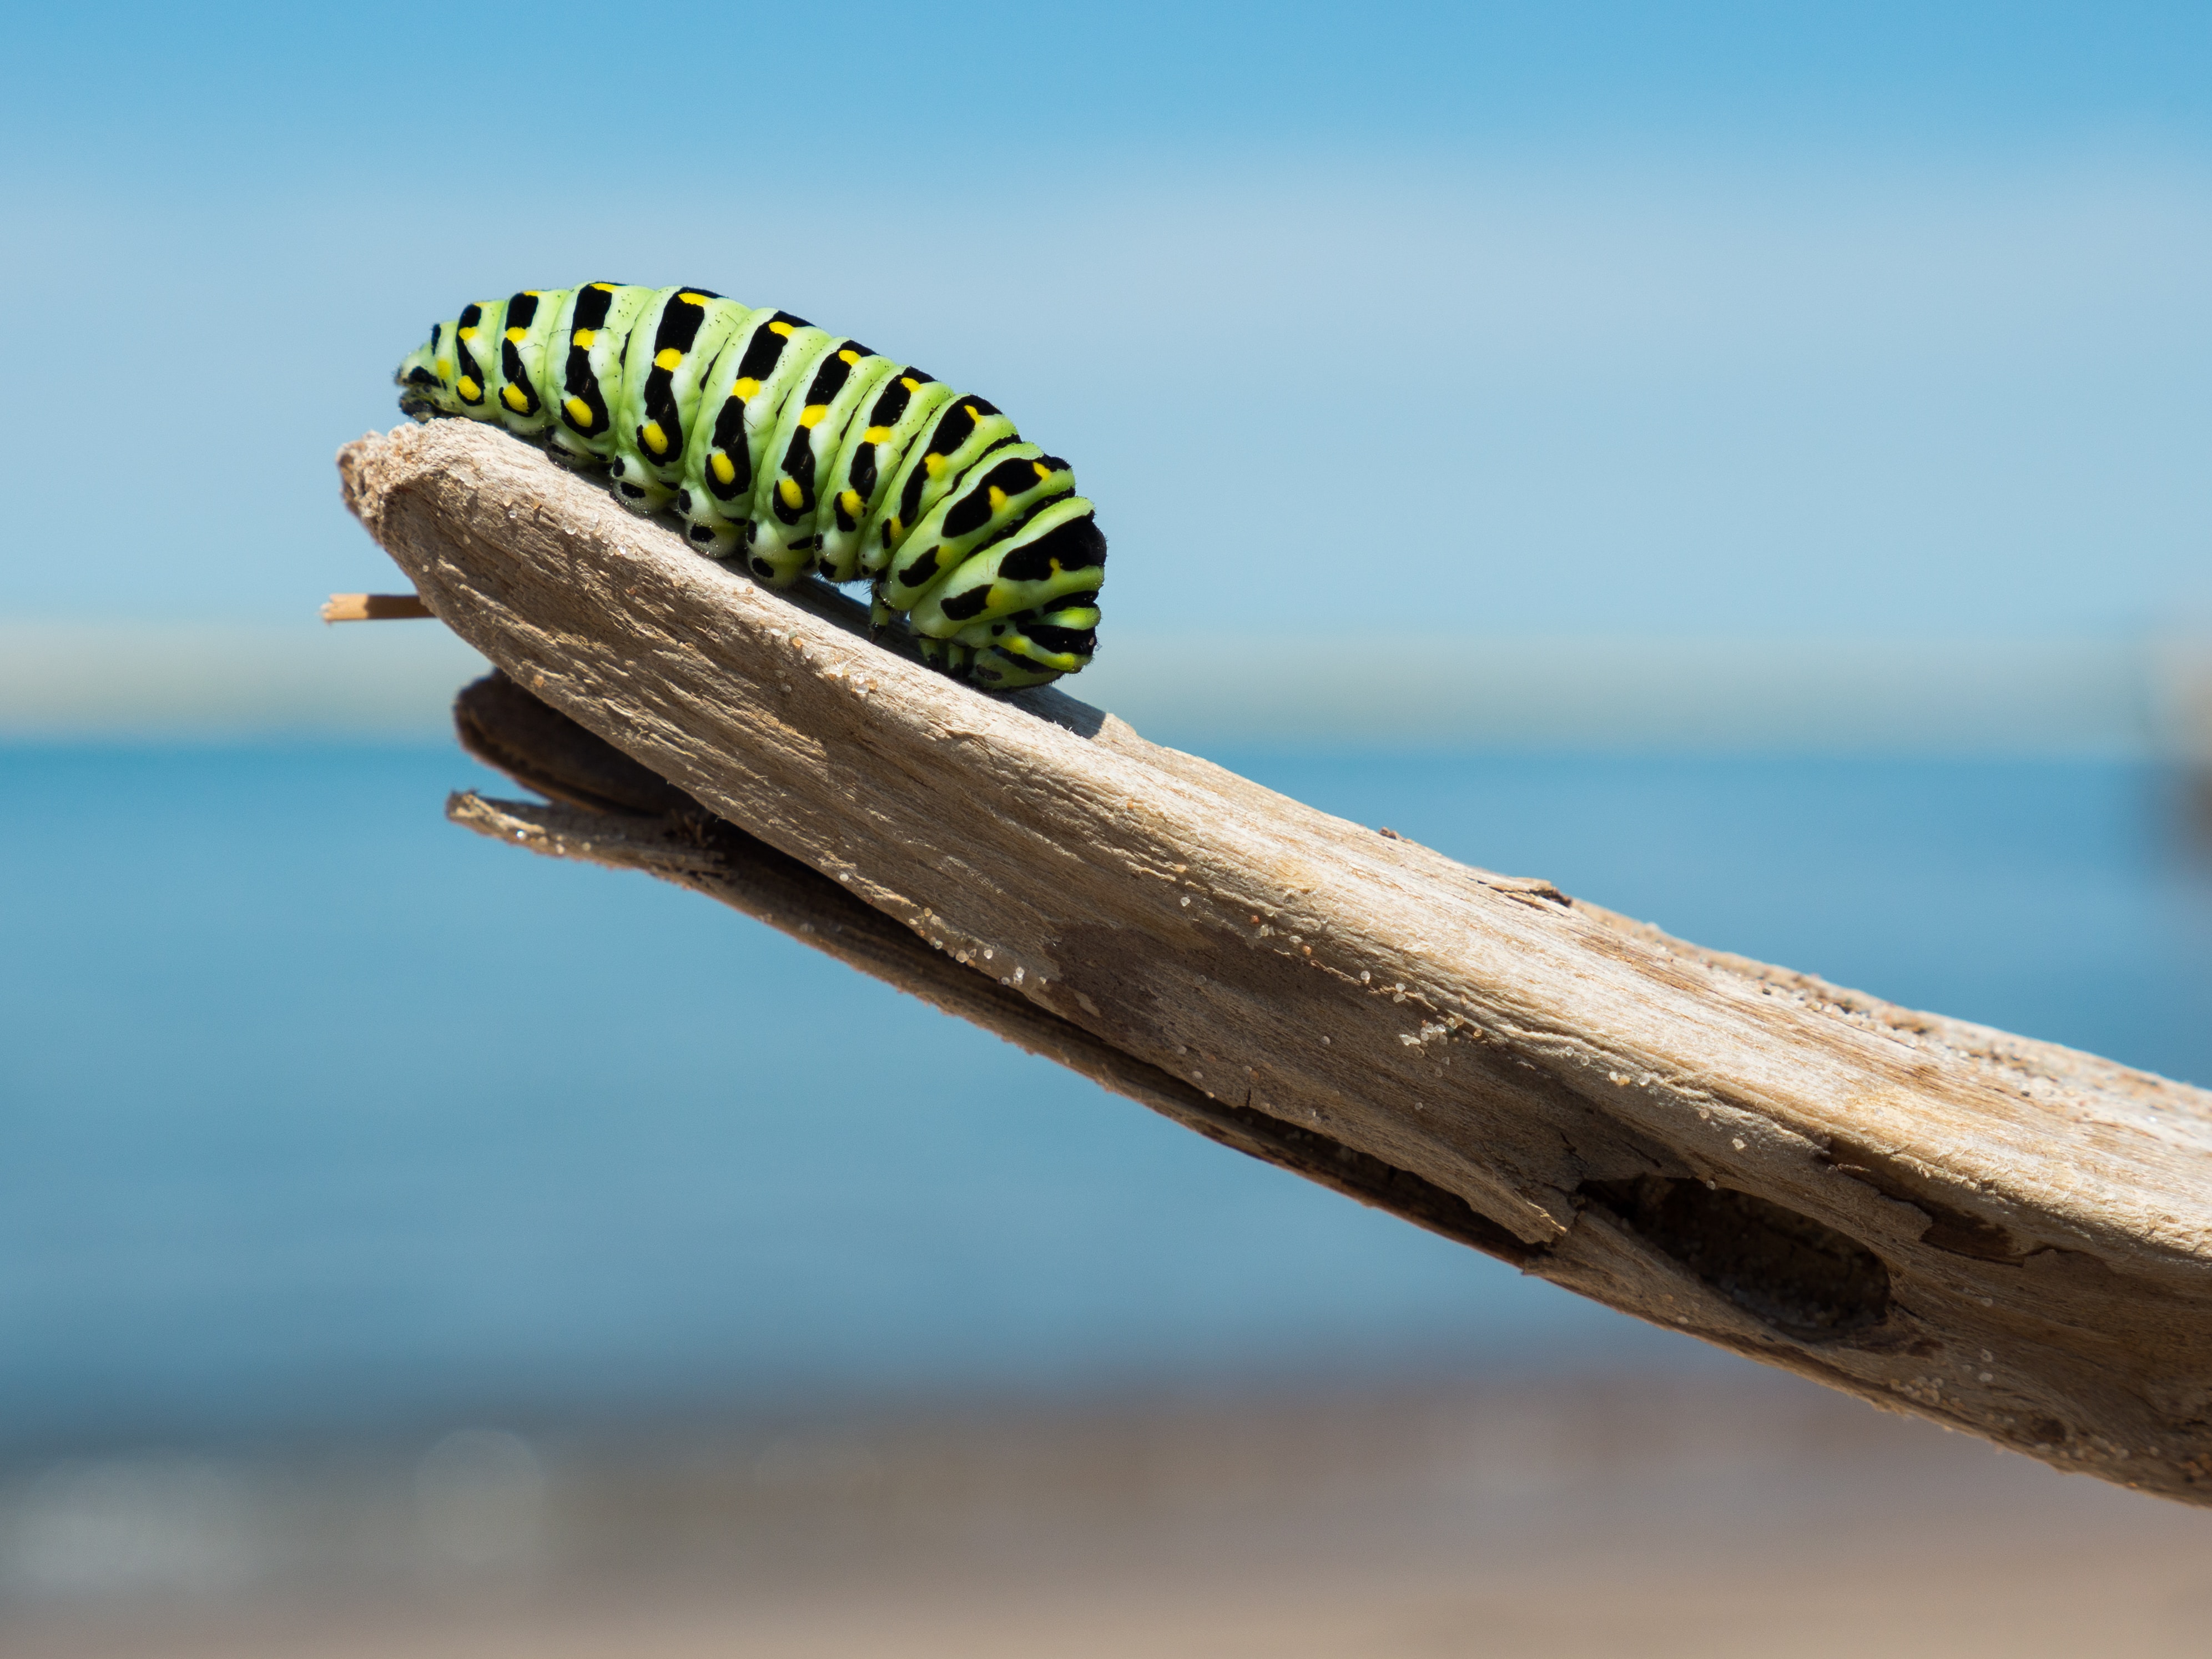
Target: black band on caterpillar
(792, 451)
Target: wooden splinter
(375, 607)
(2009, 1238)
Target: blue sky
(310, 81)
(1871, 320)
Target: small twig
(375, 607)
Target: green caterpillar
(796, 452)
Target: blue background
(324, 1116)
(1870, 320)
(1877, 322)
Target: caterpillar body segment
(771, 356)
(906, 407)
(800, 451)
(672, 345)
(791, 450)
(583, 368)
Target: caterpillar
(792, 450)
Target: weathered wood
(2013, 1238)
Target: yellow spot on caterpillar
(720, 465)
(516, 400)
(669, 359)
(789, 491)
(579, 413)
(783, 329)
(909, 383)
(851, 502)
(692, 299)
(530, 293)
(811, 415)
(998, 499)
(468, 334)
(878, 435)
(934, 463)
(655, 439)
(470, 390)
(604, 287)
(744, 389)
(445, 368)
(1041, 470)
(517, 335)
(848, 358)
(585, 336)
(972, 415)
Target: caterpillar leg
(994, 671)
(1033, 647)
(773, 557)
(945, 656)
(706, 531)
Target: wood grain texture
(2013, 1238)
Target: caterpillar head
(426, 382)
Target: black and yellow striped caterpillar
(795, 451)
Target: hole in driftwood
(1796, 1275)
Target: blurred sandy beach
(1756, 1514)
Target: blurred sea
(326, 1118)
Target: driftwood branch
(2013, 1238)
